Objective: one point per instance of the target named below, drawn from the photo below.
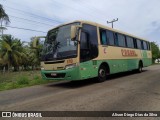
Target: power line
(77, 10)
(37, 18)
(26, 29)
(30, 20)
(34, 15)
(58, 3)
(92, 8)
(16, 3)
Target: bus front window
(58, 44)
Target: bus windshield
(58, 44)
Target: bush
(23, 80)
(36, 77)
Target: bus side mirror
(74, 31)
(35, 43)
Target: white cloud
(138, 17)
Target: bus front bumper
(68, 74)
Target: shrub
(23, 80)
(36, 77)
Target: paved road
(122, 92)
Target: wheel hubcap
(102, 73)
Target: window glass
(145, 45)
(130, 42)
(116, 39)
(92, 43)
(139, 44)
(121, 40)
(110, 37)
(142, 46)
(135, 43)
(84, 44)
(103, 37)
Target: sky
(137, 17)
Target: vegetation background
(19, 62)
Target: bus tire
(140, 67)
(102, 73)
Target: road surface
(122, 92)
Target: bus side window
(103, 37)
(139, 44)
(90, 50)
(135, 43)
(116, 39)
(121, 40)
(126, 41)
(142, 46)
(130, 42)
(110, 37)
(148, 44)
(145, 45)
(84, 41)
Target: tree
(36, 53)
(155, 51)
(3, 18)
(33, 55)
(11, 51)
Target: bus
(82, 49)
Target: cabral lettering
(128, 53)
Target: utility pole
(114, 20)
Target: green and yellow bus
(83, 49)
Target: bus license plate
(53, 74)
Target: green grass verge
(20, 79)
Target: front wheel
(102, 74)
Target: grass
(21, 79)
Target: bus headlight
(71, 66)
(42, 68)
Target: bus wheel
(140, 67)
(102, 74)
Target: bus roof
(103, 26)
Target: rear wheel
(102, 74)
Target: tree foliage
(13, 53)
(4, 18)
(155, 51)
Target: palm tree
(11, 51)
(36, 53)
(3, 18)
